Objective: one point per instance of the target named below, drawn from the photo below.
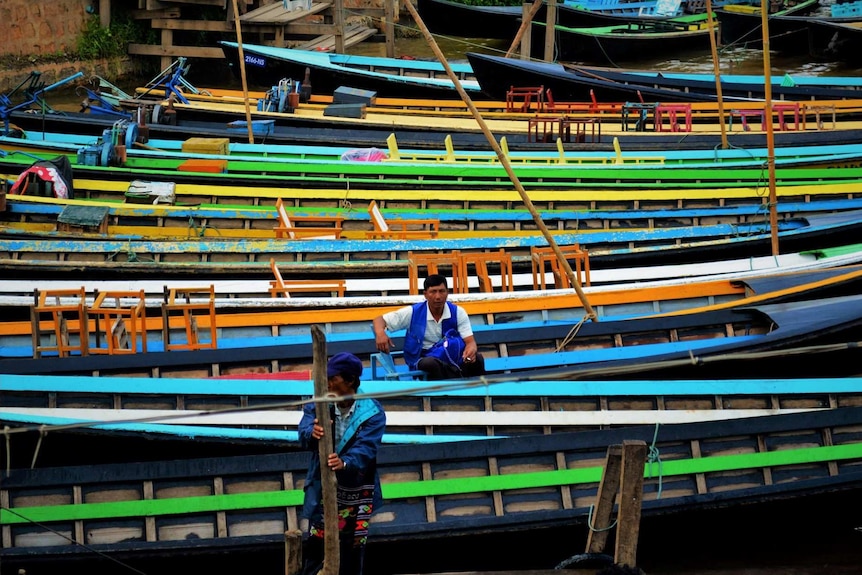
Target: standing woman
(358, 431)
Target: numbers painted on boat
(255, 60)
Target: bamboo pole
(242, 71)
(525, 23)
(717, 71)
(504, 161)
(325, 446)
(767, 119)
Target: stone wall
(38, 27)
(113, 70)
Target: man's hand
(470, 350)
(317, 430)
(334, 462)
(384, 344)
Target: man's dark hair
(435, 280)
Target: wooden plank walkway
(353, 34)
(275, 13)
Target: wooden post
(242, 71)
(105, 13)
(326, 446)
(550, 31)
(292, 551)
(390, 16)
(504, 161)
(631, 498)
(338, 20)
(623, 473)
(605, 499)
(524, 31)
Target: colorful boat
(161, 505)
(263, 410)
(626, 42)
(497, 74)
(267, 65)
(740, 25)
(755, 338)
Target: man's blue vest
(416, 332)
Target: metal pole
(504, 161)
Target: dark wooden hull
(471, 21)
(627, 42)
(573, 83)
(786, 33)
(835, 39)
(192, 506)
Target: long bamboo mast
(717, 71)
(767, 119)
(504, 161)
(241, 57)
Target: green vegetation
(97, 42)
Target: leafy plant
(98, 42)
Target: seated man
(426, 323)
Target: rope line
(70, 540)
(653, 456)
(593, 527)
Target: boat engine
(110, 149)
(280, 98)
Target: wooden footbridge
(267, 22)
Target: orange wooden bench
(279, 287)
(297, 227)
(400, 229)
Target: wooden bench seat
(279, 287)
(400, 229)
(306, 227)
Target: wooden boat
(461, 19)
(37, 142)
(483, 177)
(259, 410)
(654, 288)
(627, 41)
(835, 39)
(497, 74)
(358, 137)
(457, 491)
(740, 26)
(676, 346)
(267, 65)
(468, 20)
(39, 216)
(822, 38)
(214, 256)
(564, 171)
(235, 303)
